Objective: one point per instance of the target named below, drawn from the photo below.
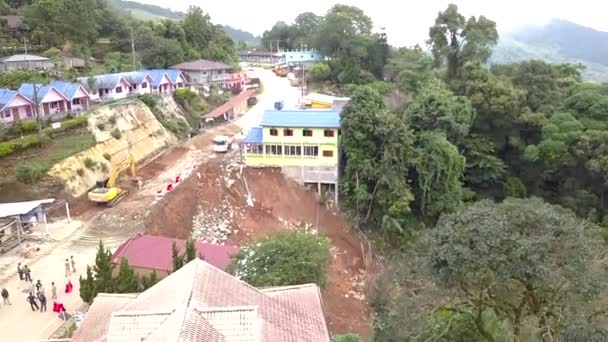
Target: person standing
(140, 183)
(53, 291)
(67, 268)
(42, 299)
(5, 298)
(27, 272)
(32, 300)
(73, 264)
(20, 271)
(38, 286)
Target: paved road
(19, 324)
(275, 89)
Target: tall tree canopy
(455, 40)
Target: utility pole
(133, 49)
(35, 86)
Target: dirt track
(279, 203)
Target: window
(53, 105)
(76, 101)
(311, 151)
(144, 85)
(328, 133)
(293, 150)
(255, 149)
(134, 87)
(288, 132)
(28, 112)
(328, 153)
(312, 56)
(307, 132)
(274, 132)
(275, 150)
(118, 90)
(6, 113)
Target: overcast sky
(406, 22)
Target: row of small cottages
(59, 97)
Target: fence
(373, 265)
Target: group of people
(36, 295)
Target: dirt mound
(250, 203)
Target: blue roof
(68, 89)
(157, 76)
(108, 81)
(301, 118)
(135, 77)
(254, 136)
(27, 90)
(173, 74)
(6, 96)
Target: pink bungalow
(77, 95)
(140, 82)
(161, 83)
(236, 80)
(50, 100)
(106, 87)
(14, 106)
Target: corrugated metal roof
(21, 208)
(107, 81)
(137, 251)
(6, 96)
(24, 58)
(173, 74)
(135, 77)
(301, 118)
(201, 64)
(68, 89)
(27, 90)
(157, 76)
(254, 136)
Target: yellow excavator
(106, 192)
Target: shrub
(80, 172)
(89, 163)
(149, 99)
(286, 258)
(107, 156)
(112, 120)
(28, 173)
(116, 133)
(28, 126)
(320, 72)
(7, 148)
(346, 338)
(101, 126)
(103, 167)
(66, 125)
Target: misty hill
(153, 12)
(558, 42)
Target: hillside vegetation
(557, 42)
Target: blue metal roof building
(27, 90)
(301, 118)
(157, 76)
(108, 81)
(135, 77)
(68, 89)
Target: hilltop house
(109, 86)
(199, 302)
(177, 80)
(202, 71)
(137, 252)
(304, 143)
(77, 95)
(25, 61)
(50, 101)
(14, 106)
(139, 82)
(161, 83)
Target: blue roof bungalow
(109, 86)
(50, 101)
(140, 82)
(177, 79)
(76, 94)
(161, 83)
(14, 106)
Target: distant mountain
(153, 12)
(559, 41)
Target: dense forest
(484, 187)
(100, 34)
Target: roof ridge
(119, 295)
(287, 287)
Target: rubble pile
(357, 285)
(302, 226)
(213, 225)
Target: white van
(222, 143)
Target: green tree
(285, 258)
(437, 108)
(378, 146)
(161, 53)
(118, 62)
(308, 24)
(409, 68)
(439, 168)
(320, 72)
(87, 291)
(103, 270)
(346, 338)
(149, 280)
(126, 281)
(454, 40)
(176, 257)
(190, 253)
(516, 270)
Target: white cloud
(406, 22)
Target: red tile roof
(154, 252)
(201, 64)
(235, 100)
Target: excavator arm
(129, 163)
